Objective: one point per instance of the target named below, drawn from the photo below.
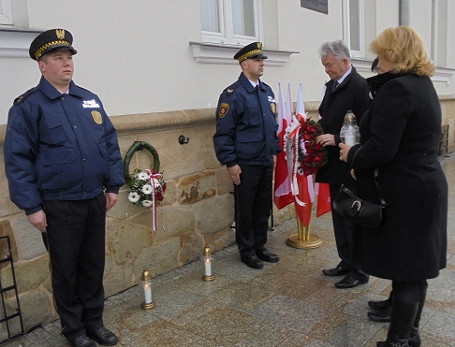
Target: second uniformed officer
(246, 142)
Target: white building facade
(153, 56)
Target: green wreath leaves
(139, 146)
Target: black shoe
(252, 261)
(103, 336)
(381, 316)
(350, 282)
(393, 343)
(414, 338)
(81, 341)
(265, 255)
(337, 271)
(380, 304)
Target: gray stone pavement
(289, 303)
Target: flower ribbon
(154, 177)
(296, 126)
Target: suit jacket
(351, 94)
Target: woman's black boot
(394, 343)
(414, 338)
(403, 317)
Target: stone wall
(197, 211)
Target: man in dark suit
(346, 90)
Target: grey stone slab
(355, 332)
(440, 325)
(193, 282)
(233, 268)
(172, 302)
(291, 313)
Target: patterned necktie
(334, 85)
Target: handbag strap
(375, 176)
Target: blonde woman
(400, 137)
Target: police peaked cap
(49, 41)
(251, 51)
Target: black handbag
(358, 210)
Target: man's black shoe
(381, 316)
(81, 341)
(265, 255)
(103, 336)
(252, 261)
(380, 304)
(350, 282)
(337, 271)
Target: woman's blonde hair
(404, 48)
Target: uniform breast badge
(97, 117)
(273, 107)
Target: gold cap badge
(60, 33)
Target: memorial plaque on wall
(317, 5)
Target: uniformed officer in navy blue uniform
(64, 169)
(246, 142)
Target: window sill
(16, 43)
(441, 75)
(209, 53)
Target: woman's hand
(344, 150)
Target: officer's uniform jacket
(60, 147)
(246, 127)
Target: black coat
(352, 94)
(400, 136)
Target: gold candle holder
(146, 281)
(207, 260)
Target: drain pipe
(405, 6)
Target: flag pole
(303, 240)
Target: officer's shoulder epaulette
(22, 97)
(232, 87)
(85, 90)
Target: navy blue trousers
(76, 245)
(253, 203)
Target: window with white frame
(6, 17)
(354, 27)
(231, 22)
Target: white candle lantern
(207, 260)
(146, 282)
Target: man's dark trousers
(76, 240)
(345, 238)
(253, 202)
